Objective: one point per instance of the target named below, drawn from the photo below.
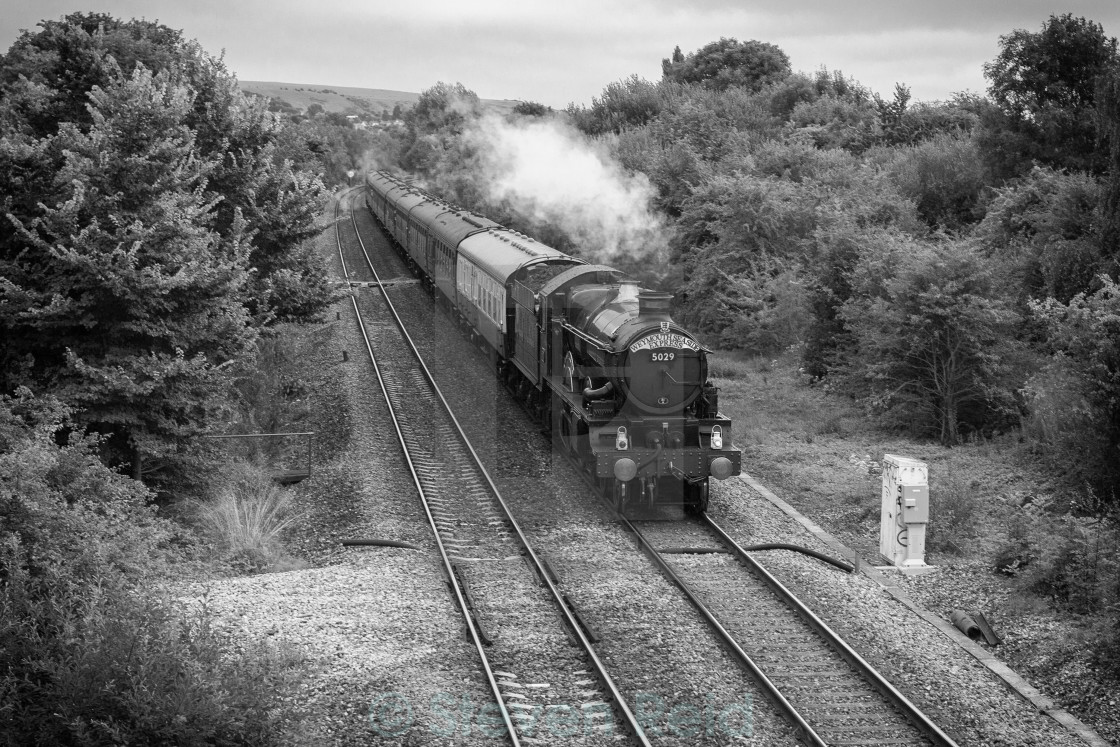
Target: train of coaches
(622, 388)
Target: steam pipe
(601, 393)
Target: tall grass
(247, 516)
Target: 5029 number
(657, 357)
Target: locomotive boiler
(621, 388)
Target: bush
(943, 177)
(1085, 335)
(247, 515)
(952, 513)
(88, 655)
(1046, 229)
(835, 122)
(66, 512)
(1071, 562)
(100, 663)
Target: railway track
(536, 654)
(829, 693)
(825, 687)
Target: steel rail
(912, 713)
(453, 581)
(799, 722)
(537, 564)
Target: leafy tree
(143, 304)
(435, 124)
(834, 122)
(930, 328)
(944, 178)
(1044, 229)
(624, 104)
(728, 62)
(925, 121)
(138, 194)
(1085, 334)
(1108, 129)
(531, 109)
(46, 77)
(443, 108)
(839, 246)
(739, 232)
(1043, 86)
(892, 112)
(785, 94)
(69, 57)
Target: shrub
(67, 513)
(87, 654)
(1085, 335)
(834, 122)
(724, 367)
(952, 512)
(1073, 564)
(100, 663)
(944, 178)
(247, 515)
(1045, 228)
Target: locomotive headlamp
(625, 469)
(717, 438)
(721, 468)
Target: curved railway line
(830, 694)
(481, 545)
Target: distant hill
(346, 100)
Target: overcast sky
(560, 51)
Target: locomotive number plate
(665, 340)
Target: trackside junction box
(905, 512)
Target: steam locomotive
(621, 387)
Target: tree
(1044, 230)
(1043, 86)
(149, 228)
(1085, 335)
(944, 178)
(728, 62)
(435, 124)
(930, 329)
(143, 302)
(624, 104)
(531, 109)
(892, 112)
(1108, 133)
(443, 108)
(45, 81)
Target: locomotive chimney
(628, 290)
(654, 305)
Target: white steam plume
(548, 171)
